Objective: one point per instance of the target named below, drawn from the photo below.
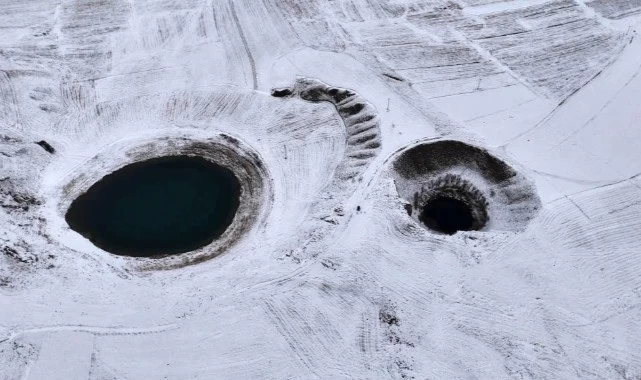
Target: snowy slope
(326, 275)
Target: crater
(447, 215)
(161, 206)
(165, 201)
(450, 186)
(450, 204)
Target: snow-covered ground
(329, 276)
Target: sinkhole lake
(161, 206)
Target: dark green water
(162, 206)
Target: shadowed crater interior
(161, 206)
(448, 204)
(447, 215)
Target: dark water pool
(166, 205)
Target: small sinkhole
(447, 215)
(158, 207)
(449, 203)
